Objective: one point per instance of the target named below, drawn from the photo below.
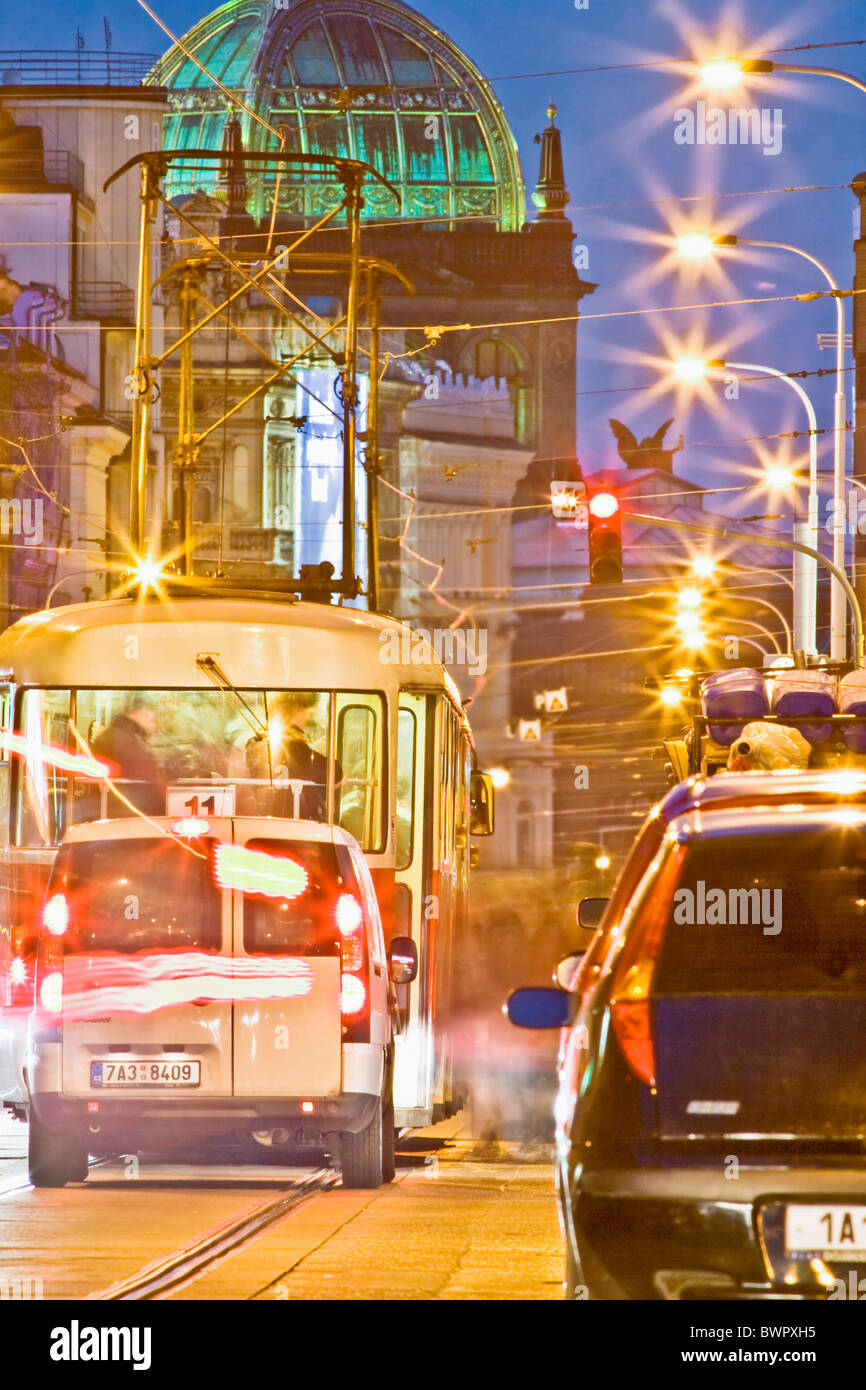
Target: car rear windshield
(304, 924)
(138, 895)
(769, 913)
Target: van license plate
(144, 1072)
(826, 1231)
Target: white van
(206, 976)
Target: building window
(525, 833)
(494, 358)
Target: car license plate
(826, 1232)
(144, 1071)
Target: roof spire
(551, 195)
(232, 175)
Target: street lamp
(724, 73)
(698, 246)
(707, 568)
(693, 369)
(778, 476)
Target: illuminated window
(356, 47)
(409, 62)
(376, 144)
(471, 160)
(425, 157)
(312, 57)
(327, 133)
(227, 55)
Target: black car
(711, 1113)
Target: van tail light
(353, 996)
(51, 992)
(631, 987)
(354, 968)
(48, 975)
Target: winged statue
(649, 452)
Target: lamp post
(727, 533)
(805, 529)
(696, 246)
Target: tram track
(171, 1272)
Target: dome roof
(369, 79)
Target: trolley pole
(354, 204)
(372, 462)
(140, 375)
(186, 453)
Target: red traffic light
(605, 539)
(603, 504)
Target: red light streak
(251, 871)
(111, 983)
(55, 757)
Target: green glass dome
(370, 79)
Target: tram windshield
(308, 754)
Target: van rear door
(759, 1001)
(287, 1026)
(147, 984)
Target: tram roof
(87, 644)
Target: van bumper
(142, 1120)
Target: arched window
(494, 358)
(203, 502)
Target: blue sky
(618, 134)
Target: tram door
(415, 903)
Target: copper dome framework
(368, 79)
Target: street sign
(529, 730)
(555, 701)
(568, 500)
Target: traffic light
(605, 539)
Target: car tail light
(354, 980)
(631, 987)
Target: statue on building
(649, 452)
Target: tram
(215, 673)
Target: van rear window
(138, 895)
(768, 914)
(304, 924)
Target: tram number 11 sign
(200, 801)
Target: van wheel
(362, 1154)
(389, 1135)
(54, 1158)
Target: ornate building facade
(477, 358)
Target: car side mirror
(402, 960)
(481, 797)
(566, 969)
(538, 1007)
(590, 912)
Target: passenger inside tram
(126, 745)
(299, 769)
(157, 742)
